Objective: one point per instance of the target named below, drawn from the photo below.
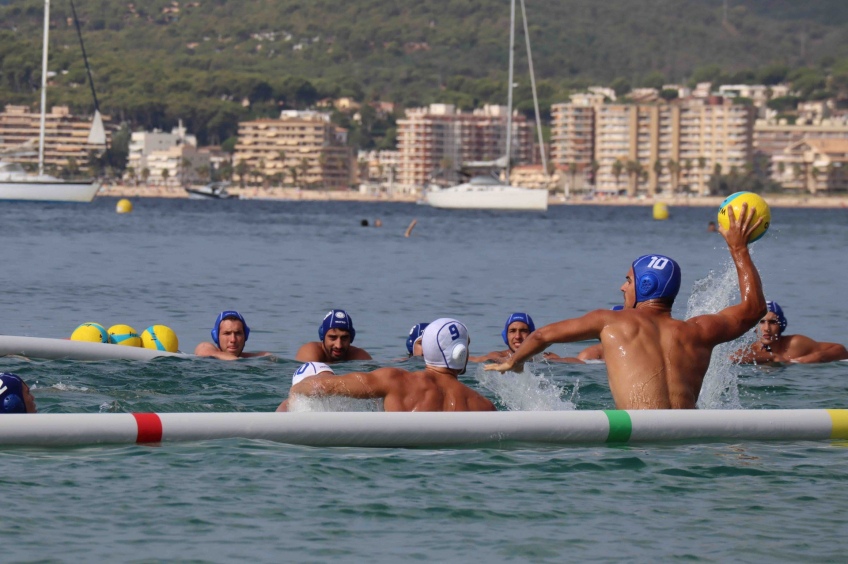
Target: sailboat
(487, 192)
(17, 184)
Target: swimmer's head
(310, 369)
(229, 314)
(778, 311)
(336, 319)
(415, 335)
(520, 318)
(445, 344)
(655, 277)
(14, 395)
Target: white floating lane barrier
(369, 429)
(64, 349)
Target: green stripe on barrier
(620, 426)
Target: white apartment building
(301, 148)
(667, 147)
(170, 159)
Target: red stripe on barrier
(149, 428)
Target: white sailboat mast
(44, 88)
(509, 89)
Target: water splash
(528, 390)
(333, 403)
(717, 291)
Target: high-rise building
(437, 141)
(302, 148)
(668, 147)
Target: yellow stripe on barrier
(839, 417)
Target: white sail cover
(97, 135)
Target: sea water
(284, 265)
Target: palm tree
(572, 173)
(634, 171)
(241, 171)
(617, 169)
(145, 174)
(674, 172)
(658, 170)
(702, 164)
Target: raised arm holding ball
(653, 360)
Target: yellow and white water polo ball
(755, 202)
(91, 332)
(124, 335)
(160, 338)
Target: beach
(296, 194)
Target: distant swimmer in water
(335, 334)
(517, 327)
(436, 388)
(409, 229)
(773, 346)
(304, 371)
(229, 335)
(653, 360)
(413, 341)
(15, 396)
(711, 227)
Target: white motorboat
(212, 191)
(487, 193)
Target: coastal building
(573, 137)
(167, 159)
(772, 137)
(813, 166)
(66, 143)
(437, 142)
(670, 147)
(301, 148)
(378, 169)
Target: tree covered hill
(155, 61)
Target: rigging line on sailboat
(85, 57)
(533, 86)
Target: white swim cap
(310, 369)
(445, 344)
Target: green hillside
(156, 61)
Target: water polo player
(773, 346)
(15, 396)
(336, 335)
(653, 360)
(518, 327)
(436, 388)
(229, 336)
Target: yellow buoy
(660, 210)
(160, 337)
(124, 335)
(124, 206)
(93, 332)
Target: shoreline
(294, 194)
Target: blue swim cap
(229, 314)
(777, 310)
(414, 334)
(656, 276)
(617, 307)
(336, 319)
(522, 317)
(11, 394)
